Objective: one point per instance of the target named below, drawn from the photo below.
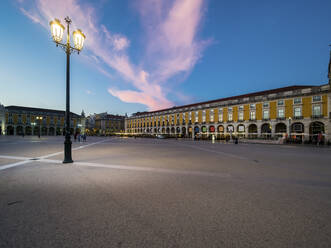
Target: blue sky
(151, 54)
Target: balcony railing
(280, 118)
(266, 119)
(298, 117)
(252, 119)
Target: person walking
(319, 139)
(75, 137)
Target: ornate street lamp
(39, 118)
(57, 30)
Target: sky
(142, 55)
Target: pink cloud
(145, 98)
(171, 38)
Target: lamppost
(57, 30)
(289, 125)
(33, 124)
(39, 118)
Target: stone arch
(36, 130)
(230, 128)
(28, 130)
(51, 131)
(241, 128)
(220, 129)
(10, 130)
(266, 128)
(211, 129)
(297, 127)
(44, 131)
(315, 129)
(297, 132)
(183, 131)
(19, 130)
(280, 128)
(252, 131)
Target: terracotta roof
(31, 109)
(265, 92)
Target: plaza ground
(126, 192)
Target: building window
(220, 117)
(230, 109)
(317, 98)
(281, 113)
(252, 115)
(252, 106)
(204, 116)
(230, 116)
(241, 116)
(196, 116)
(19, 119)
(265, 114)
(317, 110)
(211, 115)
(297, 100)
(297, 112)
(280, 102)
(241, 108)
(190, 116)
(265, 105)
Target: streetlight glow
(79, 39)
(57, 30)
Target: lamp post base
(67, 152)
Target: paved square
(125, 192)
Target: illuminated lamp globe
(57, 30)
(79, 39)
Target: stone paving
(125, 192)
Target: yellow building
(299, 112)
(18, 120)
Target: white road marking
(158, 170)
(15, 157)
(39, 159)
(116, 167)
(213, 151)
(3, 167)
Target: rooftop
(259, 93)
(31, 109)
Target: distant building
(301, 112)
(104, 124)
(19, 120)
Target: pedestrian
(84, 137)
(319, 139)
(78, 137)
(75, 137)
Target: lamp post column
(67, 142)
